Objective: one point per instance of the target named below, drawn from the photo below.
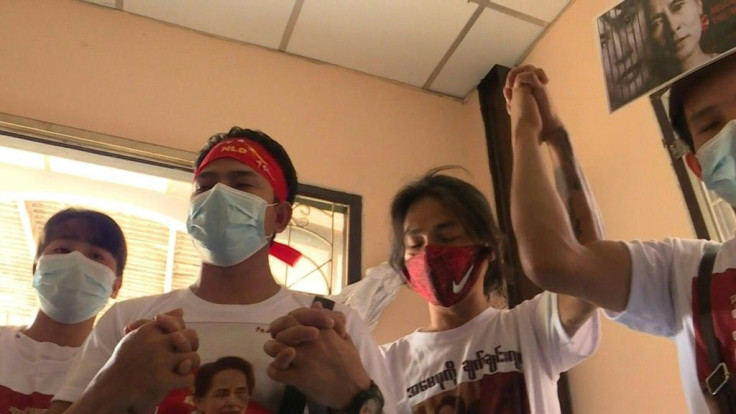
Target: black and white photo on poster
(647, 44)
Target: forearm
(582, 209)
(96, 405)
(100, 399)
(542, 205)
(543, 231)
(598, 271)
(106, 395)
(584, 217)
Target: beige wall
(93, 68)
(97, 69)
(639, 198)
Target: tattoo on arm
(581, 208)
(561, 141)
(577, 226)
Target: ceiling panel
(495, 38)
(400, 40)
(546, 10)
(259, 22)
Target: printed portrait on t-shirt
(244, 341)
(12, 401)
(31, 371)
(499, 393)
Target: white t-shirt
(31, 372)
(664, 276)
(223, 330)
(500, 360)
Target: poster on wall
(647, 44)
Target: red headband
(253, 155)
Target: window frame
(178, 160)
(355, 219)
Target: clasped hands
(529, 105)
(310, 346)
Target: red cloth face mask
(444, 275)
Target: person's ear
(488, 252)
(283, 216)
(116, 285)
(491, 256)
(694, 165)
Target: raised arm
(573, 188)
(552, 253)
(582, 212)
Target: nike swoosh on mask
(459, 287)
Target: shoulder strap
(718, 382)
(328, 304)
(294, 400)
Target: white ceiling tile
(546, 10)
(396, 39)
(107, 3)
(259, 22)
(495, 38)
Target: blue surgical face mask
(71, 287)
(718, 162)
(227, 225)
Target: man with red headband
(244, 186)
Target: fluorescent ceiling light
(22, 158)
(108, 174)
